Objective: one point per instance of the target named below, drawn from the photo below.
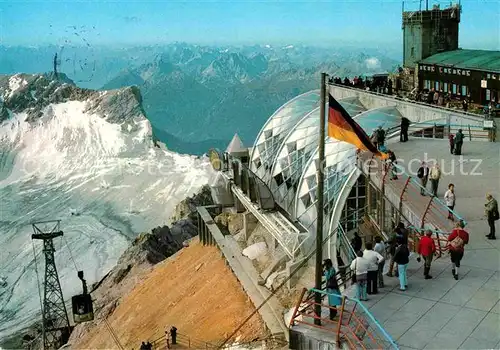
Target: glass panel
(454, 91)
(445, 87)
(488, 94)
(436, 85)
(464, 90)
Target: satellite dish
(215, 159)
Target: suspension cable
(306, 259)
(70, 253)
(37, 277)
(113, 334)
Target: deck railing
(404, 193)
(354, 327)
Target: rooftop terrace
(443, 313)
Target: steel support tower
(55, 321)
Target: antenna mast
(55, 66)
(55, 321)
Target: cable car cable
(113, 334)
(304, 262)
(70, 253)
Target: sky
(376, 23)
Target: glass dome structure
(285, 156)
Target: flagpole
(319, 196)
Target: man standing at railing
(459, 141)
(375, 259)
(426, 249)
(491, 208)
(380, 248)
(434, 176)
(332, 287)
(405, 124)
(423, 175)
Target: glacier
(105, 182)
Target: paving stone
(460, 294)
(488, 329)
(484, 299)
(437, 317)
(415, 339)
(476, 344)
(444, 340)
(464, 322)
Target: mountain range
(196, 97)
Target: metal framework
(55, 321)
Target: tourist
(380, 248)
(375, 259)
(456, 242)
(332, 288)
(402, 258)
(459, 141)
(391, 163)
(426, 249)
(434, 176)
(405, 124)
(356, 242)
(449, 200)
(173, 335)
(491, 214)
(423, 175)
(465, 105)
(451, 139)
(359, 268)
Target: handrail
(433, 198)
(451, 110)
(356, 325)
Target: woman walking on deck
(449, 199)
(402, 258)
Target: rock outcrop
(32, 93)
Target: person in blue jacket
(332, 287)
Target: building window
(412, 52)
(454, 89)
(464, 90)
(445, 87)
(488, 94)
(436, 85)
(426, 84)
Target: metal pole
(319, 204)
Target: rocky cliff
(32, 93)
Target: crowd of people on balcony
(380, 85)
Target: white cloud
(372, 63)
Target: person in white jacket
(359, 268)
(374, 259)
(449, 200)
(434, 176)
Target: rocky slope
(133, 267)
(147, 250)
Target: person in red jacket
(456, 242)
(426, 249)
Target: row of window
(452, 88)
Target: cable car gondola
(83, 310)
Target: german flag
(343, 128)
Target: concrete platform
(443, 313)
